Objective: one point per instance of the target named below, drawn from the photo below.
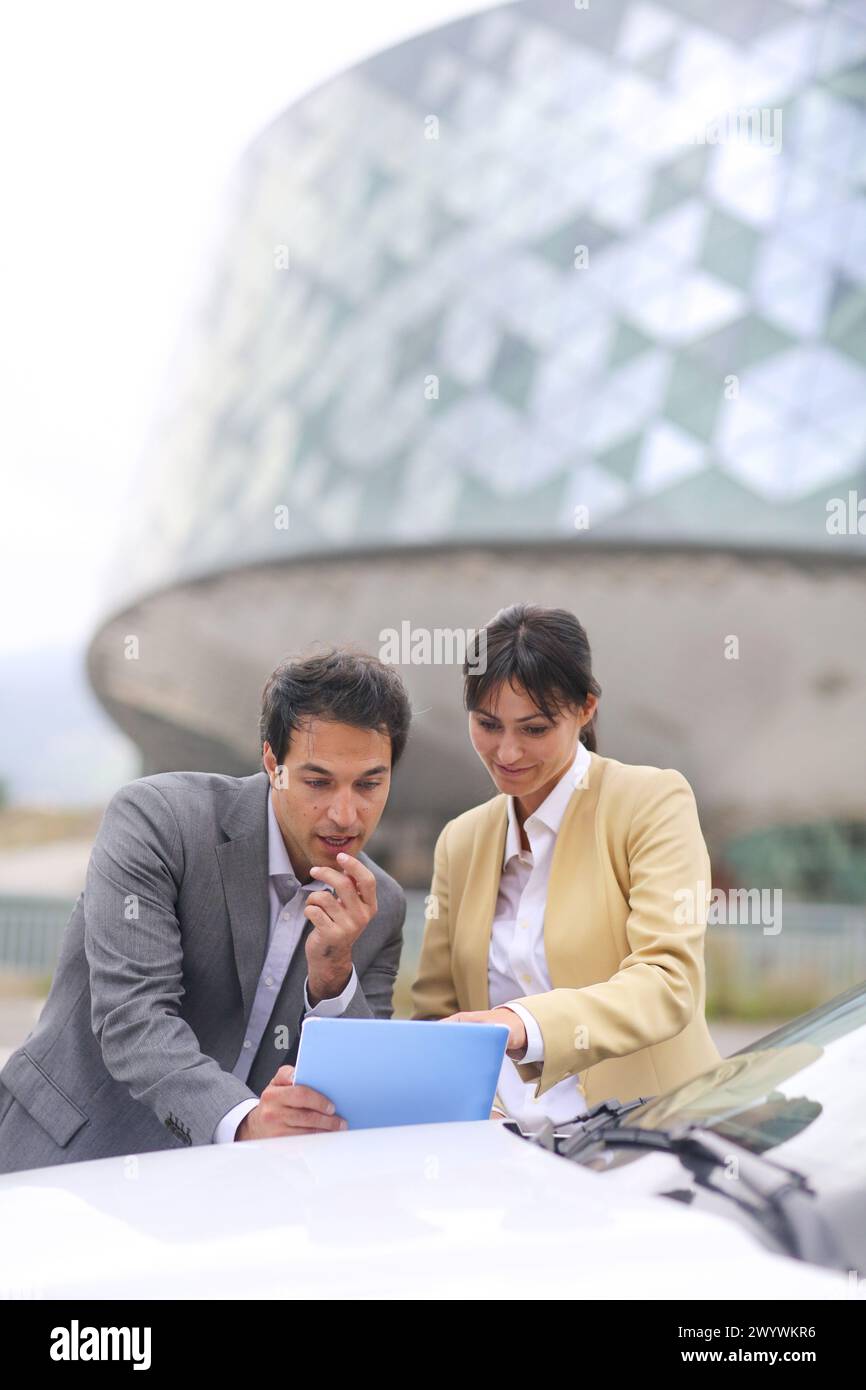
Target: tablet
(381, 1071)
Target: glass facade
(544, 270)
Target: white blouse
(517, 964)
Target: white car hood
(426, 1211)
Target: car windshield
(798, 1095)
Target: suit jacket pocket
(42, 1098)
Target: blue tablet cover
(380, 1071)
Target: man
(217, 913)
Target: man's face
(330, 790)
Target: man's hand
(285, 1108)
(338, 922)
(516, 1045)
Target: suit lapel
(243, 863)
(478, 904)
(279, 1044)
(573, 886)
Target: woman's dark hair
(544, 650)
(346, 686)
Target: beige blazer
(623, 933)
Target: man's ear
(269, 762)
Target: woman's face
(524, 752)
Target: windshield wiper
(781, 1199)
(583, 1129)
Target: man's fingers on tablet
(295, 1097)
(301, 1121)
(305, 1098)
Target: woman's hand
(516, 1045)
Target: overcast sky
(119, 125)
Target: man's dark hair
(346, 686)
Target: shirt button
(524, 924)
(527, 979)
(247, 1042)
(269, 980)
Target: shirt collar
(552, 809)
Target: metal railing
(820, 949)
(31, 930)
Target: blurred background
(327, 323)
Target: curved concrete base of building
(745, 671)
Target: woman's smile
(513, 771)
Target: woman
(571, 907)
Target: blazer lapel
(574, 883)
(243, 863)
(478, 904)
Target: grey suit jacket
(157, 974)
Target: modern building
(557, 303)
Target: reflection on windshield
(728, 1089)
(801, 1092)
